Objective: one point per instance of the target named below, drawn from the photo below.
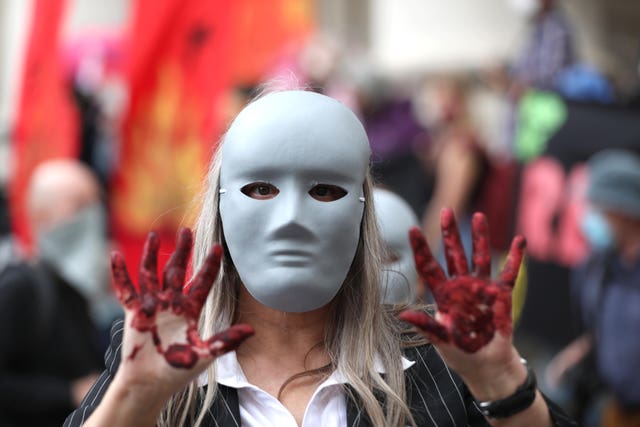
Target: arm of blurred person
(24, 390)
(566, 359)
(457, 170)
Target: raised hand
(471, 306)
(161, 311)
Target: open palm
(471, 306)
(161, 343)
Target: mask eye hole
(260, 190)
(327, 192)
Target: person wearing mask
(606, 289)
(49, 305)
(399, 279)
(293, 331)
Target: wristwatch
(520, 400)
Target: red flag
(177, 70)
(46, 124)
(263, 30)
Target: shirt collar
(229, 372)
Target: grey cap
(614, 181)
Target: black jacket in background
(47, 339)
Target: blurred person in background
(387, 116)
(394, 132)
(94, 64)
(606, 290)
(456, 158)
(399, 278)
(52, 306)
(547, 51)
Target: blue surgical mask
(77, 250)
(597, 231)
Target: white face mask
(77, 250)
(399, 276)
(291, 197)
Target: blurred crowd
(540, 165)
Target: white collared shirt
(327, 406)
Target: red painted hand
(156, 299)
(471, 306)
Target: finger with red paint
(124, 289)
(428, 268)
(509, 272)
(201, 285)
(174, 272)
(453, 250)
(481, 252)
(148, 271)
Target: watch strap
(520, 400)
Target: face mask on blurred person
(526, 8)
(291, 197)
(399, 276)
(597, 231)
(76, 249)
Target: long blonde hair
(361, 329)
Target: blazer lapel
(356, 416)
(225, 410)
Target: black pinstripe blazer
(435, 394)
